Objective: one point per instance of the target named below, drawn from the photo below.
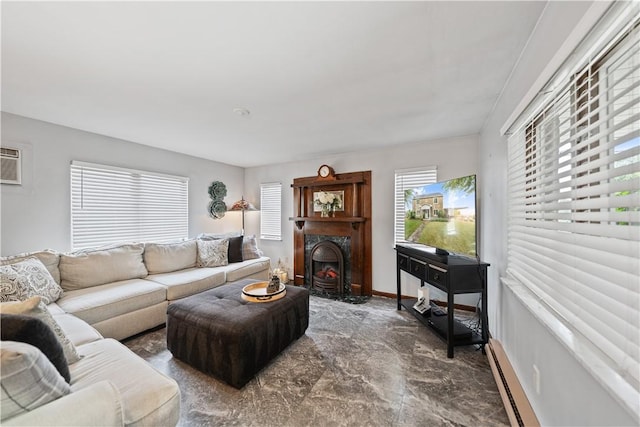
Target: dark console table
(453, 274)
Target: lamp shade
(242, 205)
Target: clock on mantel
(326, 172)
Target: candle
(284, 277)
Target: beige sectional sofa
(113, 293)
(125, 289)
(110, 386)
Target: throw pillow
(213, 253)
(49, 258)
(28, 278)
(39, 311)
(235, 246)
(19, 307)
(27, 329)
(235, 249)
(28, 379)
(250, 248)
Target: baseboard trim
(515, 401)
(389, 295)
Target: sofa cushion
(36, 308)
(113, 299)
(104, 409)
(28, 378)
(49, 258)
(78, 331)
(148, 397)
(27, 278)
(27, 329)
(183, 283)
(96, 267)
(250, 248)
(243, 269)
(167, 257)
(213, 253)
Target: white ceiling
(318, 77)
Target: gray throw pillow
(213, 253)
(27, 278)
(250, 248)
(28, 378)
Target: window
(574, 198)
(110, 205)
(406, 181)
(271, 211)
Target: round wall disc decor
(217, 209)
(217, 190)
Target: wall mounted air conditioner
(10, 162)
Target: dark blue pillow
(33, 331)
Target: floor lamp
(242, 205)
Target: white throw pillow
(35, 307)
(27, 278)
(213, 253)
(28, 378)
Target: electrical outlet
(536, 379)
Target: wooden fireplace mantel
(300, 220)
(354, 221)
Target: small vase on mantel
(325, 211)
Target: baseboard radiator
(516, 404)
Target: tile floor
(357, 365)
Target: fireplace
(341, 266)
(326, 268)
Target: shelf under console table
(452, 274)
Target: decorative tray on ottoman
(257, 292)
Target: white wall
(569, 394)
(36, 214)
(454, 157)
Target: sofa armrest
(97, 405)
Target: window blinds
(405, 181)
(110, 205)
(574, 195)
(271, 211)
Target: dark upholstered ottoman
(221, 334)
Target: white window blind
(405, 181)
(574, 195)
(271, 211)
(110, 205)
